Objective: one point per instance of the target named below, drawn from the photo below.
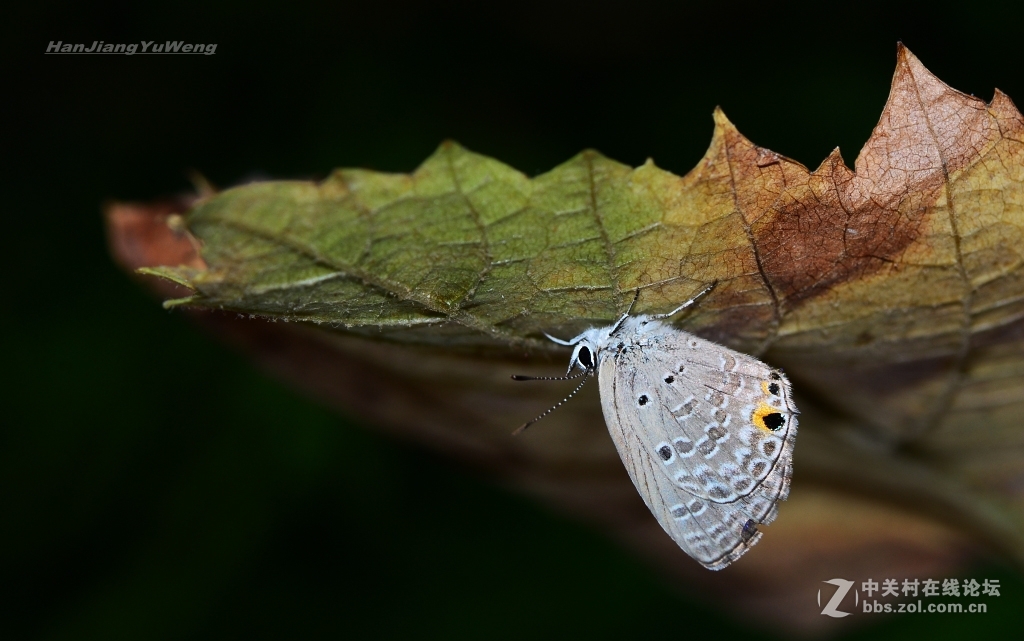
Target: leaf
(893, 295)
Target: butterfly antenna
(586, 375)
(622, 318)
(520, 377)
(693, 300)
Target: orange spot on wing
(763, 410)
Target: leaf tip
(178, 302)
(1002, 105)
(906, 60)
(178, 275)
(910, 67)
(203, 187)
(450, 145)
(833, 164)
(722, 123)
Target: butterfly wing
(706, 434)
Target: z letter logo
(830, 608)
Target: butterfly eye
(585, 358)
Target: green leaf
(464, 244)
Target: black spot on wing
(749, 530)
(774, 421)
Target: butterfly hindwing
(706, 434)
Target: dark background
(153, 485)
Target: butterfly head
(584, 356)
(587, 348)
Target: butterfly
(706, 433)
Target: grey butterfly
(705, 432)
